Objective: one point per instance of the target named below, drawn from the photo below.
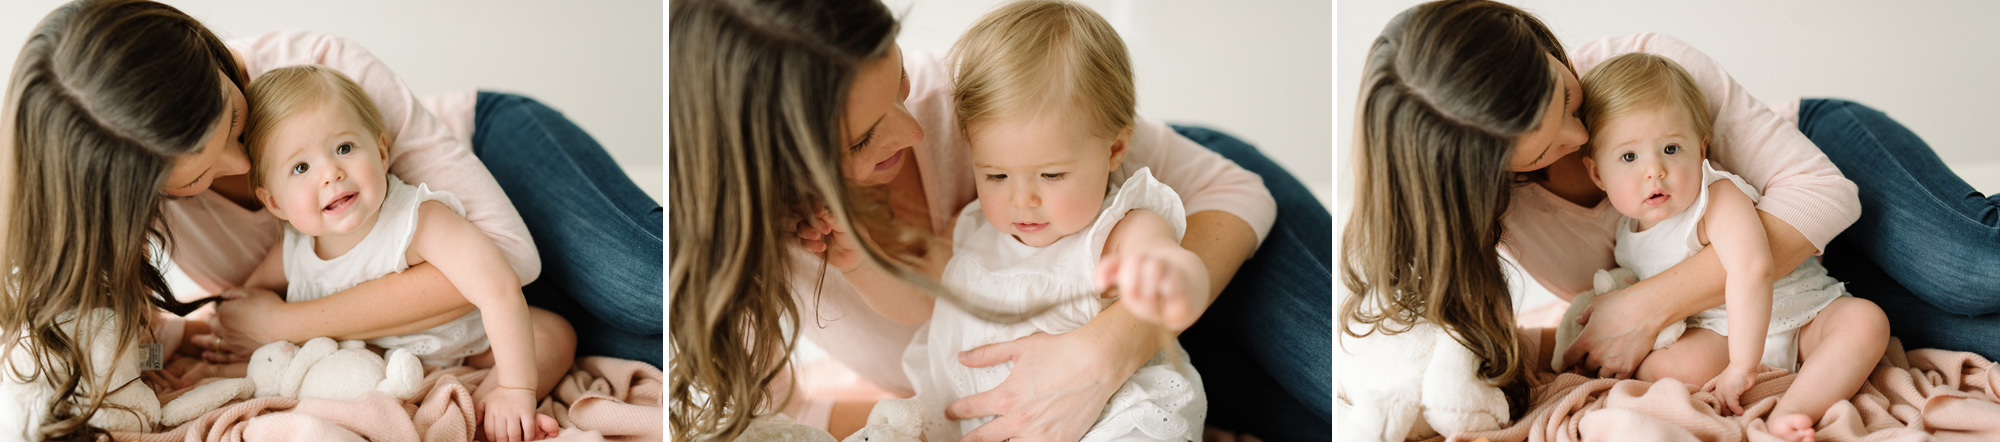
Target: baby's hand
(1166, 285)
(510, 415)
(822, 236)
(1730, 385)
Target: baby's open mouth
(1656, 198)
(340, 203)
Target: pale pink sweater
(837, 319)
(1561, 244)
(218, 243)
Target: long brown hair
(1448, 87)
(758, 89)
(104, 96)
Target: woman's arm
(1623, 324)
(422, 148)
(406, 302)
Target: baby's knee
(553, 334)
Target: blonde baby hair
(1638, 80)
(1044, 56)
(285, 92)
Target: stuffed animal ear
(295, 373)
(267, 366)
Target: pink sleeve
(1205, 179)
(422, 148)
(1800, 185)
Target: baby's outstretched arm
(475, 265)
(1731, 226)
(1157, 280)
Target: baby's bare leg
(1837, 352)
(1696, 358)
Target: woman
(1557, 225)
(893, 140)
(138, 101)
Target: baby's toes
(548, 425)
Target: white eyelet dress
(1162, 401)
(380, 254)
(1795, 299)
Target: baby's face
(323, 172)
(1040, 178)
(1649, 163)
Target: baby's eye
(1053, 176)
(343, 149)
(1628, 157)
(1672, 149)
(299, 168)
(996, 177)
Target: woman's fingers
(996, 431)
(989, 354)
(986, 403)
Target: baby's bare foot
(1792, 427)
(548, 426)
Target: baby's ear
(382, 145)
(1118, 147)
(1590, 164)
(269, 203)
(1704, 147)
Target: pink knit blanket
(601, 399)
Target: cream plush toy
(892, 420)
(322, 368)
(1602, 282)
(778, 428)
(1416, 384)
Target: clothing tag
(153, 357)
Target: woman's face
(222, 155)
(1560, 132)
(878, 131)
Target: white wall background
(1256, 70)
(599, 62)
(1930, 65)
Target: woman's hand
(1618, 333)
(1164, 285)
(245, 320)
(1058, 386)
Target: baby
(1044, 93)
(317, 152)
(1648, 149)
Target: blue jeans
(1265, 348)
(598, 234)
(1927, 246)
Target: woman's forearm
(410, 301)
(1690, 287)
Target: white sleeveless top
(380, 254)
(1795, 299)
(1163, 400)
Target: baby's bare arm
(476, 267)
(1737, 236)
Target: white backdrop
(599, 62)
